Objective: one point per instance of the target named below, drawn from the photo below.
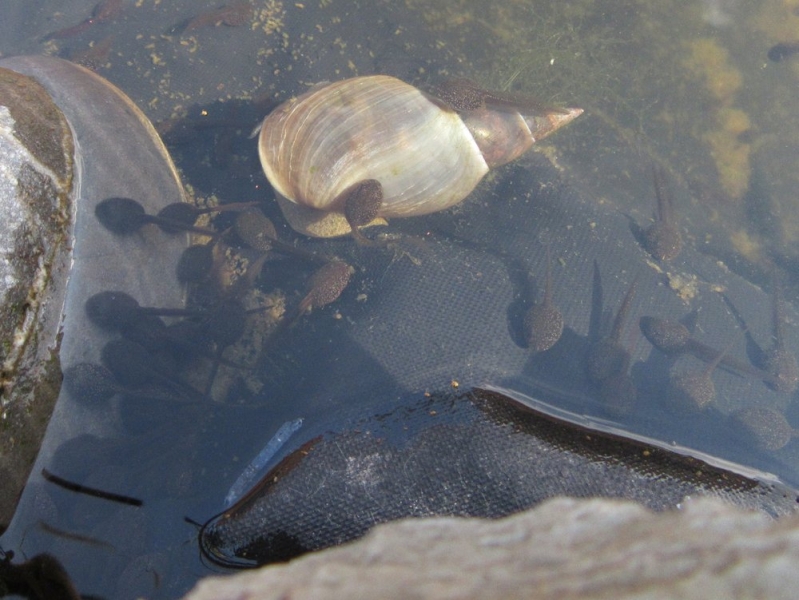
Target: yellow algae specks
(747, 246)
(270, 17)
(730, 154)
(686, 286)
(711, 63)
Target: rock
(564, 548)
(53, 252)
(36, 201)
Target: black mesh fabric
(446, 303)
(479, 454)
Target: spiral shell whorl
(378, 127)
(502, 136)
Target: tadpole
(102, 12)
(608, 356)
(94, 384)
(692, 391)
(618, 392)
(115, 310)
(41, 576)
(670, 337)
(783, 50)
(235, 14)
(779, 361)
(112, 310)
(764, 426)
(663, 239)
(186, 214)
(90, 383)
(135, 368)
(673, 338)
(543, 322)
(326, 285)
(361, 206)
(124, 216)
(258, 232)
(195, 263)
(223, 324)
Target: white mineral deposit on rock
(15, 157)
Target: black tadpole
(543, 322)
(134, 368)
(115, 311)
(259, 233)
(673, 339)
(608, 356)
(780, 362)
(362, 206)
(692, 391)
(609, 361)
(670, 337)
(90, 383)
(130, 363)
(124, 216)
(223, 324)
(766, 427)
(187, 215)
(93, 385)
(195, 263)
(783, 50)
(42, 576)
(663, 239)
(112, 310)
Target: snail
(348, 153)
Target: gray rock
(68, 139)
(565, 548)
(36, 203)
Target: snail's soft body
(425, 155)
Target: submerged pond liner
(444, 303)
(117, 151)
(479, 454)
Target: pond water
(681, 100)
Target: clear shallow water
(705, 104)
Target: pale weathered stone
(53, 252)
(564, 548)
(36, 208)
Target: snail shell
(426, 156)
